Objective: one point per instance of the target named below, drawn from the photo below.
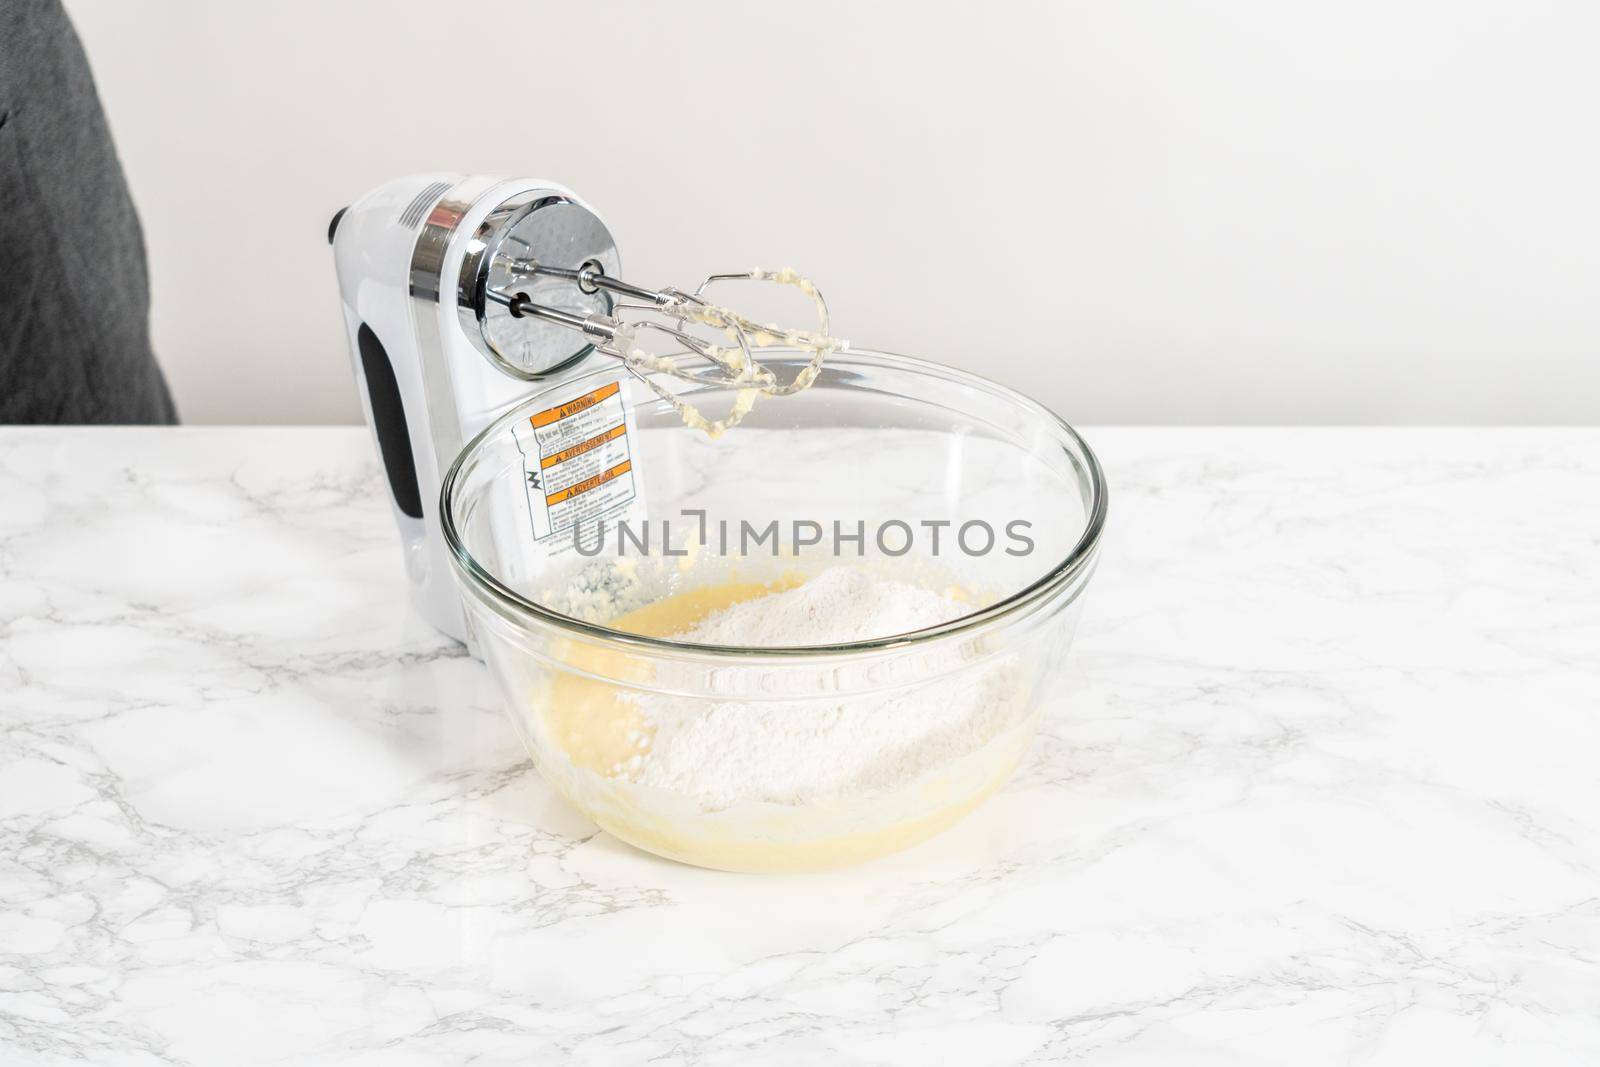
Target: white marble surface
(1328, 791)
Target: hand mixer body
(435, 361)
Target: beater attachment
(667, 316)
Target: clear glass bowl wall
(879, 439)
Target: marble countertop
(1327, 792)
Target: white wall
(1246, 211)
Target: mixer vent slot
(413, 213)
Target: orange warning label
(588, 483)
(588, 446)
(572, 407)
(578, 462)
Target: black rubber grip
(389, 419)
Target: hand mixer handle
(436, 357)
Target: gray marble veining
(1327, 790)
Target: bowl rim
(1076, 562)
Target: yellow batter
(588, 739)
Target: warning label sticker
(578, 463)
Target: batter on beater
(734, 365)
(737, 359)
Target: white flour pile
(803, 752)
(840, 604)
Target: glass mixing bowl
(888, 464)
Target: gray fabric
(74, 292)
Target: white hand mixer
(458, 291)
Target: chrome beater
(732, 365)
(539, 288)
